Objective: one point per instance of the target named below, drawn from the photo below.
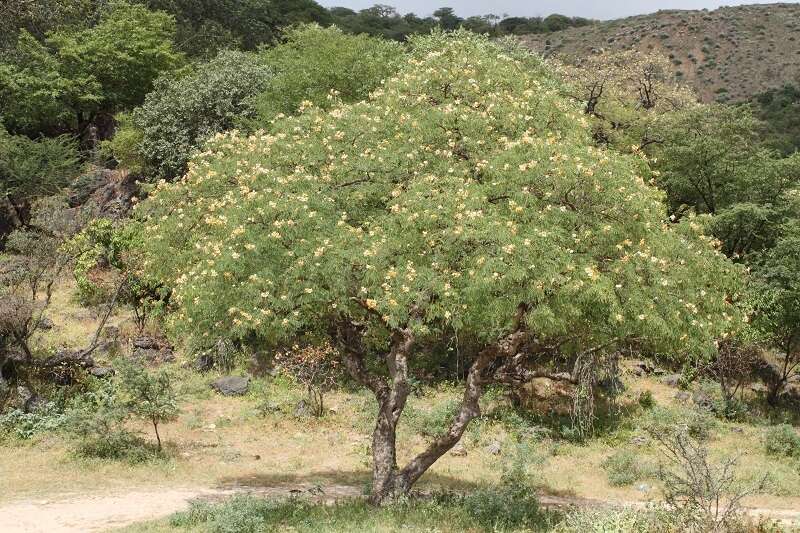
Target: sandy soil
(101, 513)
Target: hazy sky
(596, 9)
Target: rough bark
(388, 480)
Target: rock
(146, 343)
(110, 333)
(659, 371)
(641, 368)
(682, 396)
(459, 450)
(703, 400)
(671, 380)
(231, 385)
(152, 356)
(644, 487)
(301, 409)
(101, 371)
(494, 448)
(639, 440)
(34, 403)
(737, 430)
(204, 362)
(45, 323)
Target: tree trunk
(389, 481)
(158, 437)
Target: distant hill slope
(729, 54)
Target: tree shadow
(346, 482)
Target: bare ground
(81, 514)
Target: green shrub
(316, 61)
(622, 521)
(48, 418)
(31, 169)
(183, 111)
(782, 440)
(623, 467)
(119, 445)
(646, 400)
(434, 422)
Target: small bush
(782, 440)
(434, 422)
(119, 445)
(48, 418)
(623, 467)
(31, 169)
(622, 521)
(646, 400)
(182, 112)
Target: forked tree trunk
(388, 480)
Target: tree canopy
(465, 194)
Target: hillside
(728, 54)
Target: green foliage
(436, 421)
(323, 66)
(710, 160)
(148, 395)
(184, 111)
(782, 441)
(125, 145)
(624, 467)
(36, 95)
(124, 53)
(96, 419)
(81, 70)
(206, 26)
(779, 110)
(46, 419)
(503, 508)
(465, 185)
(384, 21)
(624, 521)
(32, 169)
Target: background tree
(206, 26)
(624, 94)
(320, 66)
(777, 314)
(465, 194)
(158, 137)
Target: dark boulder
(101, 371)
(671, 380)
(231, 385)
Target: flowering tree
(625, 93)
(465, 194)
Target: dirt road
(84, 514)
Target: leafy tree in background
(125, 53)
(776, 293)
(63, 84)
(315, 62)
(711, 159)
(181, 112)
(624, 94)
(36, 95)
(32, 169)
(779, 110)
(205, 26)
(466, 194)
